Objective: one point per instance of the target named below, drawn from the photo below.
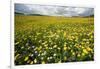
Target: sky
(53, 10)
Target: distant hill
(84, 16)
(18, 13)
(36, 15)
(91, 15)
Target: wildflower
(64, 44)
(35, 60)
(59, 61)
(40, 41)
(46, 45)
(85, 51)
(54, 46)
(26, 58)
(38, 54)
(65, 34)
(58, 31)
(82, 47)
(54, 54)
(89, 49)
(65, 58)
(50, 48)
(31, 62)
(50, 57)
(38, 33)
(28, 48)
(83, 54)
(42, 58)
(44, 52)
(30, 36)
(40, 48)
(16, 56)
(73, 53)
(22, 47)
(43, 62)
(16, 43)
(32, 55)
(78, 55)
(33, 46)
(58, 48)
(65, 48)
(28, 61)
(91, 36)
(57, 36)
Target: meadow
(51, 39)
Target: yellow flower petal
(26, 58)
(43, 62)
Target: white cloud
(54, 10)
(80, 10)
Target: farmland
(51, 39)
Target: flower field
(51, 39)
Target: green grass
(50, 39)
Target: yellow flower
(16, 56)
(89, 49)
(38, 33)
(91, 36)
(36, 48)
(40, 41)
(40, 51)
(40, 48)
(31, 62)
(57, 36)
(78, 55)
(43, 62)
(54, 46)
(65, 48)
(58, 48)
(59, 61)
(65, 58)
(46, 47)
(54, 54)
(28, 61)
(16, 43)
(77, 46)
(35, 60)
(58, 31)
(22, 47)
(64, 44)
(82, 47)
(69, 48)
(73, 53)
(85, 51)
(83, 54)
(65, 34)
(28, 48)
(26, 58)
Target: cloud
(53, 10)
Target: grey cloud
(53, 10)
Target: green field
(51, 39)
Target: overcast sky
(53, 10)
